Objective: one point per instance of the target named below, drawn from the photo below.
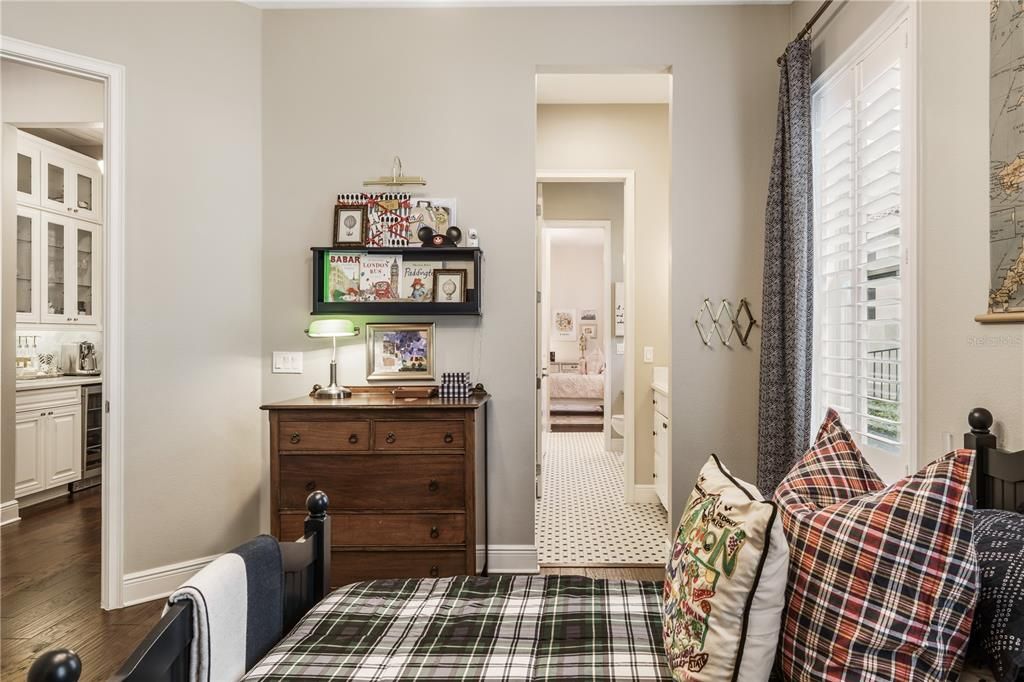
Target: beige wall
(35, 95)
(961, 364)
(8, 305)
(632, 137)
(577, 282)
(193, 456)
(462, 113)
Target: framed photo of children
(449, 286)
(350, 225)
(399, 351)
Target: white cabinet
(29, 453)
(70, 184)
(29, 275)
(662, 447)
(48, 439)
(29, 190)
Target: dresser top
(362, 401)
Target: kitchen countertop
(57, 382)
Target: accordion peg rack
(739, 322)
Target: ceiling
(406, 4)
(604, 88)
(87, 140)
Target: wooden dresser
(405, 479)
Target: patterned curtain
(787, 301)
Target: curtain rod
(807, 27)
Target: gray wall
(192, 372)
(962, 364)
(457, 102)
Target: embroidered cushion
(725, 582)
(882, 579)
(997, 634)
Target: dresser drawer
(385, 530)
(370, 482)
(418, 435)
(323, 436)
(355, 566)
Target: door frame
(627, 178)
(113, 311)
(546, 226)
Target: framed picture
(399, 351)
(350, 225)
(563, 324)
(620, 309)
(588, 315)
(589, 330)
(449, 286)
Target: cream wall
(633, 137)
(193, 247)
(457, 102)
(35, 95)
(577, 282)
(962, 364)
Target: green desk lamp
(332, 328)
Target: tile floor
(582, 516)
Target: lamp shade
(326, 328)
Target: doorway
(62, 285)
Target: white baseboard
(26, 501)
(645, 494)
(157, 583)
(9, 512)
(504, 559)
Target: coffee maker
(80, 358)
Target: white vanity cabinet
(662, 445)
(59, 241)
(48, 439)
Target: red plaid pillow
(882, 580)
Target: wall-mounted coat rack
(739, 323)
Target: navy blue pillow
(997, 633)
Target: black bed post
(980, 439)
(318, 523)
(61, 665)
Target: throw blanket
(237, 610)
(568, 385)
(469, 628)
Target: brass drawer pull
(295, 439)
(310, 486)
(434, 532)
(353, 439)
(433, 486)
(390, 438)
(448, 437)
(434, 571)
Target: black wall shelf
(452, 257)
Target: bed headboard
(998, 479)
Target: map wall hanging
(387, 217)
(1006, 180)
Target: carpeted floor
(583, 518)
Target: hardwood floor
(50, 591)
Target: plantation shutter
(860, 190)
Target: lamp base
(333, 392)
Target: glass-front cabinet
(70, 188)
(59, 273)
(27, 271)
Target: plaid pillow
(883, 580)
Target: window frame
(902, 16)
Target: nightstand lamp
(333, 328)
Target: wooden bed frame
(164, 655)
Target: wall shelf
(468, 258)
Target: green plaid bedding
(471, 628)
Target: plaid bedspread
(470, 628)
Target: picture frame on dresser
(399, 351)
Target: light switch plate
(620, 348)
(287, 362)
(648, 353)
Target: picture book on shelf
(341, 276)
(418, 281)
(380, 277)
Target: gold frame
(372, 328)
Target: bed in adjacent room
(576, 396)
